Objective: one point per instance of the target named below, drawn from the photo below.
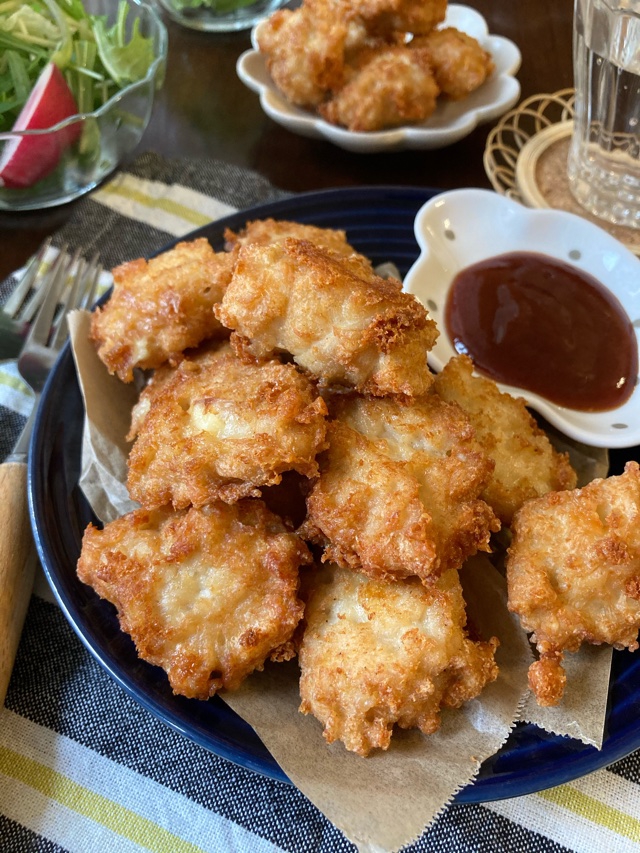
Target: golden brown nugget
(205, 594)
(398, 492)
(340, 322)
(573, 573)
(376, 654)
(264, 231)
(216, 427)
(460, 64)
(389, 16)
(304, 50)
(526, 464)
(366, 513)
(161, 307)
(393, 87)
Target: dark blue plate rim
(530, 761)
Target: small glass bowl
(220, 16)
(118, 124)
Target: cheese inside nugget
(161, 307)
(398, 492)
(216, 427)
(206, 594)
(526, 464)
(376, 654)
(339, 321)
(573, 573)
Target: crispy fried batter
(406, 16)
(161, 307)
(460, 63)
(573, 573)
(376, 654)
(339, 321)
(526, 464)
(398, 490)
(217, 427)
(264, 231)
(304, 50)
(206, 594)
(392, 87)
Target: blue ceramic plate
(379, 223)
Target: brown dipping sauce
(530, 321)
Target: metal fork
(69, 282)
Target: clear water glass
(604, 156)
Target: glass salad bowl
(87, 71)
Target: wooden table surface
(204, 110)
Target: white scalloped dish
(451, 121)
(459, 228)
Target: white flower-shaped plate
(451, 121)
(461, 227)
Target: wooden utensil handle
(16, 565)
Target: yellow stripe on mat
(173, 207)
(13, 382)
(588, 807)
(106, 812)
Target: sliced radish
(27, 159)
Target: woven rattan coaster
(526, 159)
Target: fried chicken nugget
(304, 50)
(573, 573)
(216, 427)
(161, 307)
(392, 87)
(406, 16)
(526, 464)
(340, 322)
(459, 62)
(206, 594)
(398, 489)
(376, 654)
(264, 231)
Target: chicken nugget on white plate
(392, 87)
(460, 63)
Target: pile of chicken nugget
(371, 64)
(308, 488)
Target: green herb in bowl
(71, 74)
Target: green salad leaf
(97, 60)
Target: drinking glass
(604, 156)
(220, 16)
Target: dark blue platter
(379, 223)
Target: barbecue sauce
(539, 324)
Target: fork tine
(84, 280)
(94, 274)
(14, 302)
(52, 285)
(30, 310)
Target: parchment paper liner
(385, 801)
